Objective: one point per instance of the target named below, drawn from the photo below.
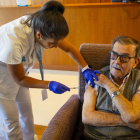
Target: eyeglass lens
(123, 58)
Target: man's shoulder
(136, 73)
(105, 69)
(136, 70)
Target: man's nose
(118, 61)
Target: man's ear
(136, 62)
(38, 35)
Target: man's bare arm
(97, 118)
(129, 110)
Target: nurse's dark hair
(126, 40)
(49, 20)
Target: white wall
(43, 111)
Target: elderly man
(111, 110)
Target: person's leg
(9, 121)
(25, 113)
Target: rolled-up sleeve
(11, 51)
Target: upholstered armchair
(67, 124)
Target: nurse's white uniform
(16, 45)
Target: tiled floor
(43, 111)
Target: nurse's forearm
(33, 83)
(18, 74)
(73, 53)
(78, 58)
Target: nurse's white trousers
(16, 118)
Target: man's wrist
(114, 94)
(111, 89)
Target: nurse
(22, 42)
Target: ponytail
(49, 20)
(53, 6)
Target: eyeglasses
(123, 58)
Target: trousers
(16, 117)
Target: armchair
(67, 124)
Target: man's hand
(103, 81)
(135, 126)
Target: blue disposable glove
(57, 87)
(90, 75)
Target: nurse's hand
(57, 87)
(90, 75)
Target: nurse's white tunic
(16, 46)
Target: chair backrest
(97, 57)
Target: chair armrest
(62, 125)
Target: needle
(76, 87)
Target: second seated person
(111, 110)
